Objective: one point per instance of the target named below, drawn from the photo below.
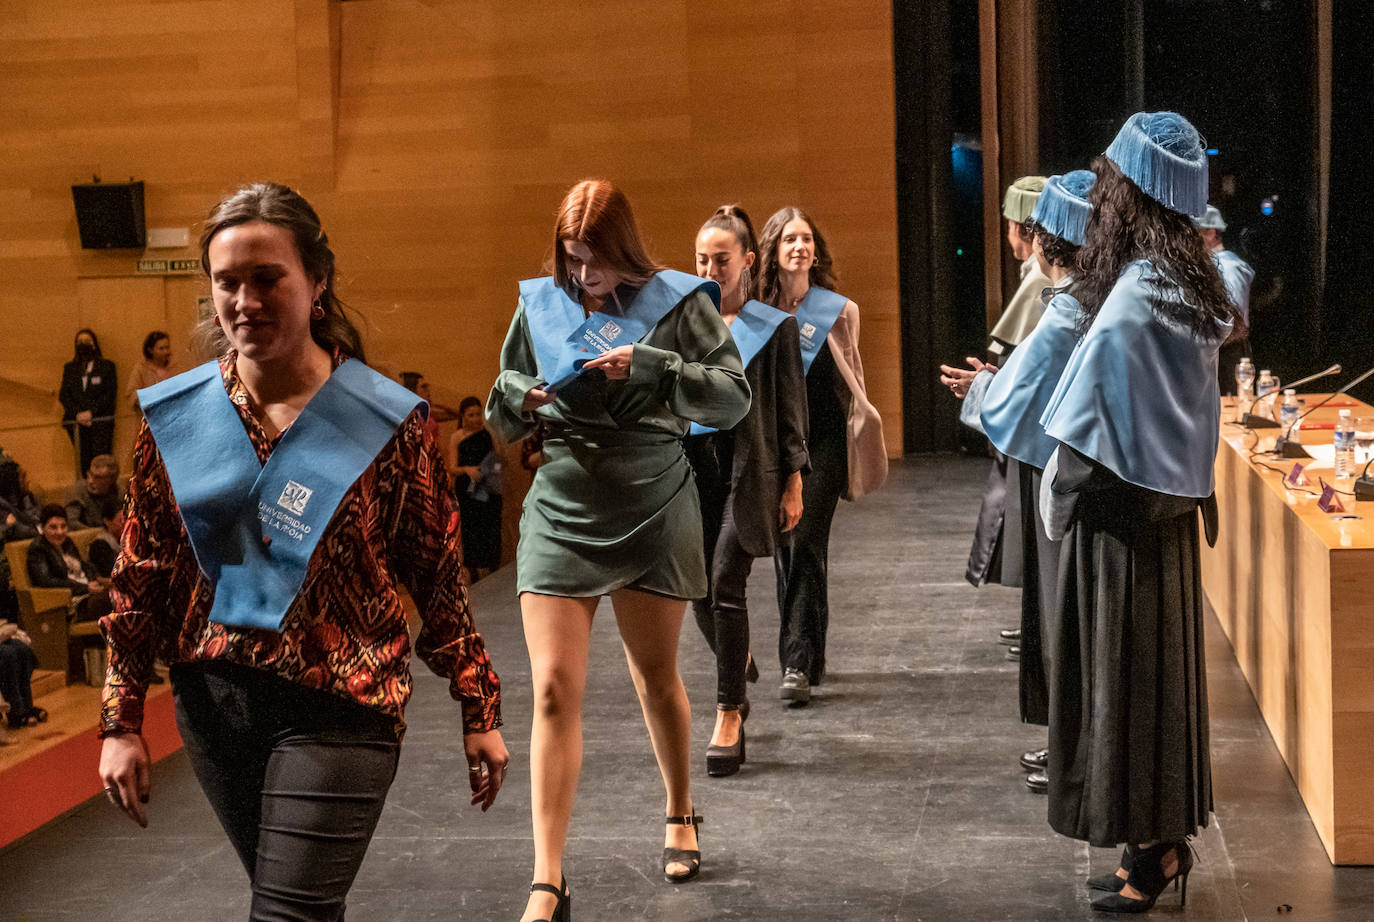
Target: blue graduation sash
(1019, 393)
(253, 526)
(564, 340)
(816, 314)
(752, 329)
(1139, 393)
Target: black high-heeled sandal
(562, 912)
(688, 856)
(1147, 877)
(723, 761)
(1113, 882)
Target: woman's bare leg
(557, 635)
(649, 628)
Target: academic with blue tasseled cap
(1135, 417)
(1015, 398)
(1235, 272)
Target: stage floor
(895, 795)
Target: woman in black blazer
(88, 395)
(46, 562)
(750, 477)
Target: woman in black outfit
(88, 395)
(477, 486)
(749, 478)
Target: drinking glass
(1364, 437)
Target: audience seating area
(44, 613)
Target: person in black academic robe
(1128, 741)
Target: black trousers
(297, 778)
(802, 564)
(17, 663)
(724, 615)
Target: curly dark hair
(1126, 225)
(1058, 251)
(822, 274)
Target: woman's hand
(790, 508)
(487, 761)
(535, 398)
(124, 772)
(616, 363)
(959, 379)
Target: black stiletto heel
(751, 669)
(1147, 877)
(561, 912)
(688, 856)
(1112, 883)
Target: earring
(217, 320)
(317, 310)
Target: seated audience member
(85, 497)
(105, 548)
(17, 662)
(55, 563)
(18, 506)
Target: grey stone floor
(894, 796)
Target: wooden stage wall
(436, 139)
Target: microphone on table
(1289, 449)
(1252, 421)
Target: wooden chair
(44, 613)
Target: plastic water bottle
(1245, 378)
(1266, 385)
(1288, 416)
(1345, 446)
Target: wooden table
(1293, 587)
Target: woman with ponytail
(749, 477)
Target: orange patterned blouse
(346, 631)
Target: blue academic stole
(564, 340)
(752, 329)
(254, 526)
(816, 314)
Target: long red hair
(597, 214)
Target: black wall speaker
(110, 215)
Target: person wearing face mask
(477, 483)
(845, 441)
(88, 393)
(615, 356)
(280, 496)
(156, 366)
(749, 477)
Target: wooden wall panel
(436, 139)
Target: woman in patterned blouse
(293, 733)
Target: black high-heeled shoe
(723, 761)
(688, 856)
(1113, 882)
(1147, 877)
(562, 912)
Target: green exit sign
(162, 266)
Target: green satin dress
(614, 504)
